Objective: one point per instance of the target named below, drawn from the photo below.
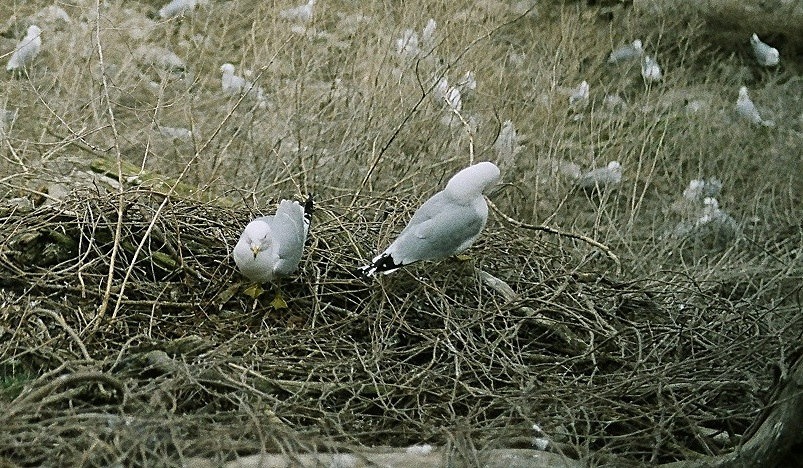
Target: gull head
(34, 30)
(637, 46)
(473, 180)
(743, 94)
(227, 69)
(257, 236)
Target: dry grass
(124, 338)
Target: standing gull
(446, 224)
(271, 246)
(234, 84)
(766, 55)
(26, 50)
(747, 110)
(650, 70)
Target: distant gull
(467, 83)
(650, 70)
(446, 224)
(271, 247)
(747, 110)
(627, 53)
(302, 13)
(176, 133)
(765, 54)
(601, 178)
(26, 50)
(507, 145)
(176, 8)
(579, 96)
(233, 84)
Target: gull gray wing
(288, 234)
(441, 227)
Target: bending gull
(26, 50)
(271, 246)
(446, 224)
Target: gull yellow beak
(255, 249)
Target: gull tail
(382, 263)
(308, 210)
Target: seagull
(446, 224)
(602, 177)
(765, 54)
(302, 13)
(176, 8)
(626, 53)
(270, 247)
(233, 84)
(26, 50)
(748, 111)
(579, 97)
(467, 83)
(650, 70)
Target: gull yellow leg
(254, 290)
(278, 301)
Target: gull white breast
(272, 246)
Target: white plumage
(766, 55)
(302, 13)
(650, 70)
(627, 53)
(26, 50)
(748, 111)
(602, 177)
(233, 84)
(579, 97)
(272, 246)
(176, 7)
(446, 224)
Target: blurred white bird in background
(446, 224)
(409, 45)
(767, 56)
(176, 8)
(627, 53)
(428, 36)
(579, 97)
(467, 84)
(650, 70)
(601, 178)
(301, 13)
(507, 145)
(26, 50)
(233, 84)
(747, 110)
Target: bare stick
(550, 230)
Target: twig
(576, 344)
(550, 230)
(104, 305)
(65, 380)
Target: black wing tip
(383, 264)
(309, 207)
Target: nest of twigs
(138, 346)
